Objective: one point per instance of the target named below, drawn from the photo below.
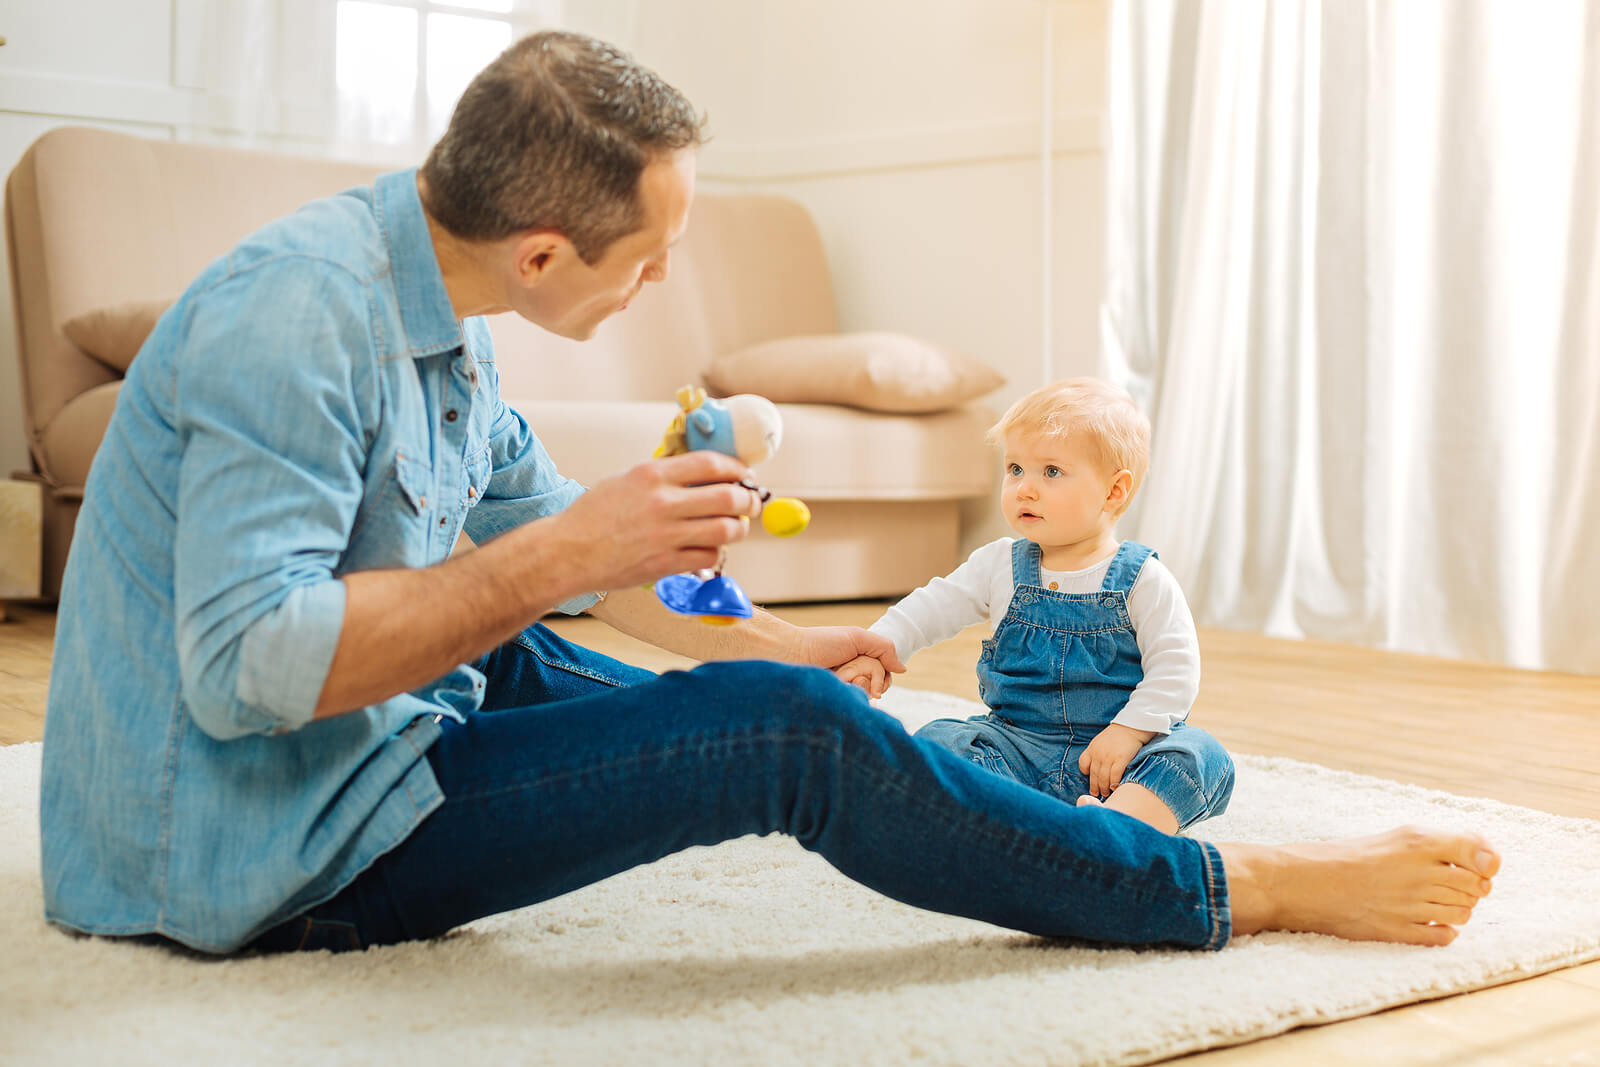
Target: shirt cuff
(905, 643)
(1155, 721)
(579, 604)
(285, 657)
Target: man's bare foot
(1409, 885)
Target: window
(400, 65)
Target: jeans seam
(1218, 904)
(566, 665)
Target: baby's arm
(1169, 652)
(945, 606)
(867, 672)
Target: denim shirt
(310, 407)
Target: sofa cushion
(114, 334)
(849, 454)
(877, 371)
(68, 444)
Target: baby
(1093, 662)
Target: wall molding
(105, 100)
(963, 145)
(149, 103)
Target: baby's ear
(1121, 489)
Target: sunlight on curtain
(458, 48)
(376, 72)
(401, 68)
(364, 79)
(1354, 272)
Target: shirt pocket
(478, 469)
(414, 479)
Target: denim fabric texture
(578, 767)
(310, 407)
(1057, 670)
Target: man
(282, 716)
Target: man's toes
(1444, 894)
(1475, 854)
(1463, 880)
(1431, 935)
(1452, 914)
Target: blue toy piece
(748, 428)
(715, 599)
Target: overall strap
(1025, 556)
(1126, 565)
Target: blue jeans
(579, 767)
(1188, 770)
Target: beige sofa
(96, 219)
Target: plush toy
(748, 428)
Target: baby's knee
(1194, 780)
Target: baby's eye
(1013, 469)
(1052, 472)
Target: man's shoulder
(337, 234)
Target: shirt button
(472, 492)
(1055, 585)
(442, 521)
(450, 416)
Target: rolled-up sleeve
(274, 445)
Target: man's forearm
(638, 612)
(404, 628)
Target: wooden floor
(1522, 737)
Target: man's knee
(787, 690)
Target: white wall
(911, 129)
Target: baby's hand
(866, 672)
(1108, 756)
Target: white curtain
(362, 79)
(1354, 274)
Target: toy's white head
(757, 427)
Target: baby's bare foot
(1409, 885)
(1087, 799)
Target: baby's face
(1055, 490)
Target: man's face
(572, 298)
(1055, 491)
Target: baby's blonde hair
(1117, 432)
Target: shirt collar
(429, 320)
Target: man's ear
(1121, 489)
(537, 253)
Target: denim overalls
(1058, 669)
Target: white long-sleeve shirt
(981, 588)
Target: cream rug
(757, 952)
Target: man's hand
(867, 672)
(834, 646)
(663, 517)
(1108, 756)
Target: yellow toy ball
(785, 516)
